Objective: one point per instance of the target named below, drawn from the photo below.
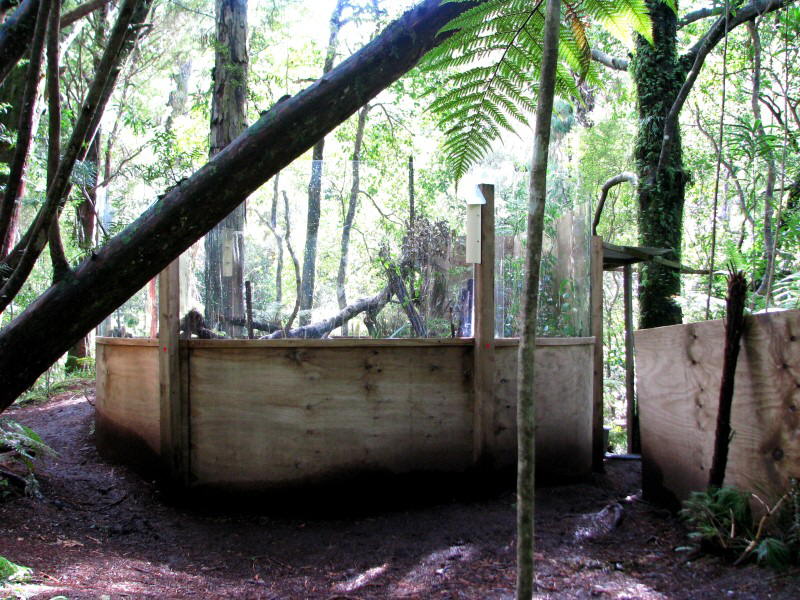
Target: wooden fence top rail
(343, 342)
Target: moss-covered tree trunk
(658, 75)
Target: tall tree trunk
(769, 185)
(658, 76)
(412, 216)
(526, 401)
(224, 268)
(30, 344)
(315, 183)
(273, 219)
(11, 95)
(9, 205)
(352, 206)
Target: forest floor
(101, 531)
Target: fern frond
(492, 60)
(619, 17)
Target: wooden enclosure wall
(127, 409)
(563, 370)
(678, 378)
(268, 414)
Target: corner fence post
(173, 405)
(598, 451)
(484, 351)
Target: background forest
(388, 203)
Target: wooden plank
(563, 410)
(598, 451)
(565, 341)
(678, 378)
(334, 343)
(270, 417)
(171, 408)
(115, 341)
(632, 425)
(484, 354)
(127, 406)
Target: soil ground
(101, 531)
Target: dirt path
(100, 531)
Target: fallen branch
(321, 328)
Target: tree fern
(492, 60)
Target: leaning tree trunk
(526, 405)
(315, 183)
(658, 76)
(224, 266)
(11, 95)
(85, 210)
(350, 214)
(14, 185)
(30, 343)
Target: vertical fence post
(484, 353)
(598, 451)
(173, 403)
(632, 420)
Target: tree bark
(526, 400)
(273, 218)
(16, 34)
(318, 330)
(768, 196)
(315, 183)
(734, 326)
(224, 245)
(123, 37)
(663, 82)
(352, 206)
(658, 75)
(29, 344)
(58, 257)
(399, 289)
(14, 184)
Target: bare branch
(612, 62)
(616, 180)
(83, 10)
(700, 13)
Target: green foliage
(721, 521)
(21, 445)
(774, 553)
(492, 64)
(12, 573)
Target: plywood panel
(127, 408)
(264, 417)
(678, 377)
(563, 408)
